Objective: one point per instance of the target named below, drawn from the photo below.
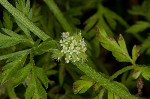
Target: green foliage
(135, 53)
(81, 86)
(7, 20)
(99, 18)
(119, 50)
(11, 68)
(145, 73)
(12, 39)
(35, 90)
(142, 9)
(31, 46)
(138, 27)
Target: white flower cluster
(73, 47)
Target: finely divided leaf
(90, 22)
(145, 71)
(106, 83)
(42, 76)
(21, 74)
(135, 53)
(137, 10)
(25, 8)
(40, 92)
(30, 90)
(11, 68)
(118, 50)
(122, 43)
(35, 89)
(12, 39)
(138, 27)
(11, 33)
(112, 17)
(141, 9)
(46, 46)
(13, 54)
(81, 86)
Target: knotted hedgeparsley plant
(73, 48)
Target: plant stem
(106, 83)
(120, 72)
(24, 20)
(54, 8)
(11, 92)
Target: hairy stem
(106, 83)
(120, 72)
(24, 20)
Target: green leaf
(102, 21)
(35, 90)
(29, 91)
(118, 50)
(142, 9)
(11, 68)
(81, 86)
(90, 22)
(46, 46)
(21, 74)
(7, 20)
(138, 27)
(136, 73)
(137, 10)
(135, 53)
(122, 44)
(12, 39)
(112, 18)
(25, 8)
(39, 92)
(13, 54)
(106, 83)
(145, 71)
(42, 76)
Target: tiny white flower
(73, 47)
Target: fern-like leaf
(11, 68)
(12, 39)
(35, 89)
(118, 50)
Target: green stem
(120, 72)
(54, 8)
(24, 20)
(106, 83)
(11, 92)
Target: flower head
(72, 47)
